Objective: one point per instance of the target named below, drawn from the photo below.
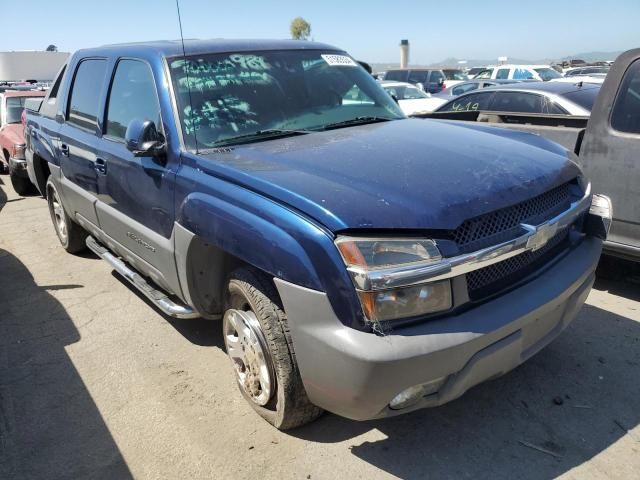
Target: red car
(12, 137)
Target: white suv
(519, 72)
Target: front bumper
(356, 374)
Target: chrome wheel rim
(58, 216)
(247, 350)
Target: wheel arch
(42, 172)
(213, 237)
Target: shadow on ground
(201, 332)
(619, 277)
(49, 424)
(574, 399)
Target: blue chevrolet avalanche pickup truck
(359, 261)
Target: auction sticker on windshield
(339, 60)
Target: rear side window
(485, 73)
(517, 102)
(48, 108)
(503, 73)
(626, 110)
(436, 75)
(522, 74)
(547, 74)
(85, 93)
(397, 75)
(463, 88)
(472, 102)
(132, 97)
(418, 76)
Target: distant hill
(452, 62)
(594, 56)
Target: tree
(52, 48)
(300, 29)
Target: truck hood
(404, 174)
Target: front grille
(489, 280)
(504, 224)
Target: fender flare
(258, 232)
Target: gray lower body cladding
(356, 374)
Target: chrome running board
(159, 298)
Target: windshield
(235, 95)
(406, 92)
(547, 73)
(455, 75)
(584, 97)
(15, 106)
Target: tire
(251, 296)
(71, 235)
(21, 185)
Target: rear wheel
(258, 342)
(71, 235)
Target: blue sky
(369, 30)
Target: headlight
(18, 151)
(374, 253)
(365, 256)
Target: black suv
(429, 80)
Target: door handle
(101, 166)
(64, 149)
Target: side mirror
(395, 99)
(420, 85)
(440, 81)
(143, 139)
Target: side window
(516, 102)
(472, 102)
(503, 73)
(48, 108)
(485, 73)
(132, 96)
(625, 116)
(436, 75)
(555, 109)
(85, 93)
(397, 75)
(463, 88)
(522, 74)
(417, 76)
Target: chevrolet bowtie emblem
(540, 235)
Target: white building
(30, 65)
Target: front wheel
(71, 235)
(258, 342)
(21, 185)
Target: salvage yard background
(95, 383)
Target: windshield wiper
(259, 135)
(356, 121)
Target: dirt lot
(95, 383)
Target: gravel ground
(95, 383)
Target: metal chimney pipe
(404, 53)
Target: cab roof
(172, 48)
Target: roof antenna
(186, 69)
